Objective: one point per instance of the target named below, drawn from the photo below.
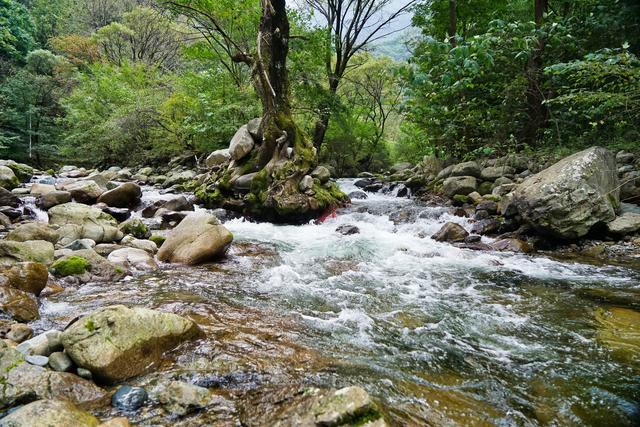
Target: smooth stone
(129, 398)
(59, 361)
(37, 360)
(49, 413)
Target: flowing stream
(440, 335)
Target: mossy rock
(157, 239)
(461, 199)
(70, 266)
(136, 228)
(485, 188)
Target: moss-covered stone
(70, 266)
(460, 199)
(136, 228)
(157, 239)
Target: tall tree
(453, 21)
(351, 27)
(536, 108)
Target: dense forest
(140, 81)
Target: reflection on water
(441, 335)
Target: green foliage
(16, 31)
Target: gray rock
(254, 129)
(306, 183)
(243, 183)
(450, 232)
(78, 245)
(41, 189)
(79, 221)
(19, 332)
(495, 172)
(624, 158)
(8, 179)
(34, 231)
(322, 174)
(54, 198)
(37, 360)
(569, 198)
(133, 259)
(7, 198)
(218, 157)
(627, 223)
(358, 195)
(60, 362)
(54, 413)
(41, 345)
(466, 169)
(84, 191)
(129, 398)
(34, 250)
(399, 167)
(462, 185)
(123, 196)
(241, 144)
(180, 398)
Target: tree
(351, 27)
(16, 31)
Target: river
(440, 335)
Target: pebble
(37, 360)
(85, 373)
(60, 362)
(129, 398)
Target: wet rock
(22, 172)
(481, 214)
(84, 373)
(306, 183)
(136, 228)
(218, 157)
(462, 185)
(20, 305)
(116, 343)
(358, 195)
(123, 196)
(241, 144)
(8, 179)
(627, 223)
(30, 277)
(512, 245)
(198, 238)
(486, 226)
(54, 198)
(374, 188)
(146, 245)
(7, 198)
(473, 238)
(503, 190)
(348, 229)
(60, 362)
(180, 398)
(243, 183)
(80, 244)
(38, 189)
(451, 232)
(120, 214)
(34, 250)
(79, 221)
(322, 174)
(129, 398)
(177, 204)
(87, 260)
(566, 200)
(362, 183)
(170, 218)
(133, 259)
(399, 167)
(54, 413)
(34, 231)
(489, 206)
(10, 212)
(178, 178)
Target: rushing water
(440, 335)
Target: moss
(329, 196)
(118, 269)
(485, 188)
(211, 198)
(492, 197)
(136, 228)
(158, 240)
(260, 182)
(90, 326)
(459, 198)
(70, 266)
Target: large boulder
(87, 260)
(198, 238)
(29, 277)
(54, 413)
(8, 179)
(22, 172)
(79, 221)
(451, 232)
(241, 144)
(466, 169)
(567, 199)
(459, 185)
(39, 189)
(117, 342)
(494, 172)
(123, 196)
(7, 198)
(322, 174)
(33, 250)
(34, 231)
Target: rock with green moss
(21, 171)
(158, 240)
(34, 231)
(70, 266)
(116, 343)
(33, 250)
(78, 221)
(99, 267)
(54, 413)
(136, 228)
(8, 179)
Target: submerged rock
(20, 305)
(116, 343)
(28, 277)
(198, 238)
(54, 413)
(619, 330)
(566, 200)
(347, 229)
(180, 398)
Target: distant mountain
(395, 46)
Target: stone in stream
(38, 189)
(19, 332)
(218, 157)
(8, 179)
(133, 259)
(241, 144)
(512, 245)
(358, 195)
(198, 238)
(77, 221)
(116, 343)
(42, 345)
(53, 413)
(129, 398)
(146, 245)
(180, 398)
(80, 244)
(7, 198)
(627, 223)
(84, 191)
(459, 185)
(59, 361)
(29, 277)
(20, 305)
(120, 214)
(136, 228)
(451, 232)
(37, 360)
(347, 229)
(54, 198)
(567, 199)
(123, 196)
(34, 231)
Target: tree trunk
(453, 21)
(322, 123)
(536, 110)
